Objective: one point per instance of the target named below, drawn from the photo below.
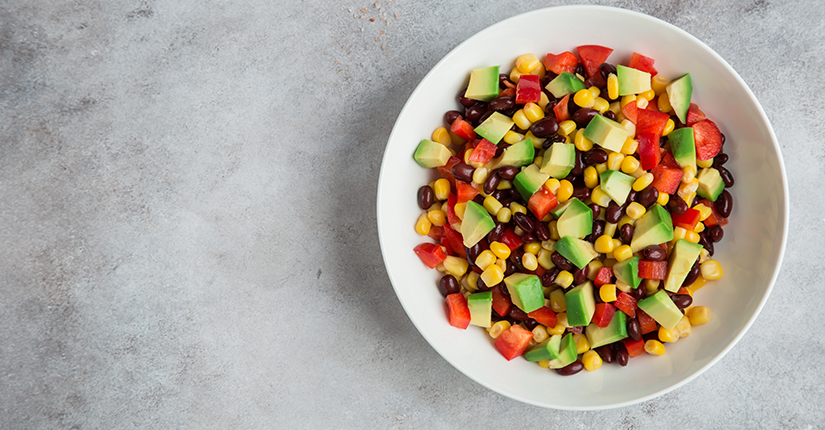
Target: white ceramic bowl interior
(750, 252)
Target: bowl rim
(783, 233)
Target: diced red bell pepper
(635, 348)
(603, 314)
(650, 122)
(465, 191)
(436, 232)
(507, 92)
(714, 218)
(652, 269)
(654, 104)
(528, 89)
(666, 179)
(455, 241)
(630, 111)
(687, 220)
(512, 342)
(544, 316)
(458, 313)
(647, 322)
(669, 161)
(501, 303)
(592, 57)
(564, 62)
(694, 115)
(684, 290)
(626, 303)
(483, 152)
(708, 139)
(603, 276)
(463, 129)
(640, 62)
(542, 202)
(560, 109)
(430, 253)
(649, 154)
(511, 239)
(446, 171)
(452, 218)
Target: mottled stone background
(187, 218)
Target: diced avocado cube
(529, 180)
(632, 81)
(517, 155)
(481, 305)
(559, 160)
(617, 185)
(495, 127)
(678, 94)
(547, 350)
(559, 210)
(710, 184)
(683, 147)
(567, 353)
(525, 291)
(476, 224)
(614, 332)
(606, 133)
(653, 228)
(483, 84)
(576, 221)
(431, 154)
(682, 257)
(578, 251)
(564, 84)
(628, 271)
(581, 304)
(662, 309)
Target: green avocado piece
(476, 224)
(606, 133)
(661, 308)
(682, 257)
(481, 305)
(578, 251)
(483, 84)
(568, 352)
(614, 332)
(710, 184)
(559, 210)
(559, 160)
(632, 81)
(564, 84)
(653, 228)
(678, 94)
(576, 221)
(547, 350)
(529, 180)
(518, 154)
(525, 291)
(495, 127)
(683, 147)
(617, 185)
(581, 304)
(628, 271)
(431, 154)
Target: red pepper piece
(650, 122)
(511, 239)
(446, 170)
(708, 139)
(687, 220)
(528, 89)
(647, 322)
(544, 316)
(542, 202)
(603, 276)
(603, 314)
(501, 303)
(652, 269)
(694, 115)
(463, 129)
(465, 191)
(483, 152)
(635, 348)
(592, 57)
(630, 111)
(714, 218)
(512, 342)
(430, 253)
(458, 313)
(626, 303)
(436, 232)
(452, 218)
(564, 62)
(666, 179)
(560, 109)
(455, 241)
(669, 161)
(640, 62)
(649, 154)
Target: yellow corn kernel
(679, 233)
(543, 100)
(547, 244)
(668, 336)
(558, 329)
(485, 259)
(441, 189)
(529, 261)
(689, 175)
(626, 220)
(515, 74)
(545, 258)
(704, 211)
(504, 185)
(629, 126)
(658, 84)
(600, 104)
(599, 197)
(512, 137)
(442, 136)
(552, 184)
(683, 327)
(500, 250)
(517, 207)
(604, 244)
(540, 334)
(497, 328)
(704, 255)
(527, 63)
(635, 210)
(615, 107)
(472, 280)
(711, 270)
(595, 91)
(467, 155)
(689, 199)
(630, 146)
(622, 253)
(502, 264)
(642, 182)
(554, 230)
(663, 104)
(591, 360)
(591, 177)
(480, 175)
(503, 215)
(616, 242)
(704, 163)
(699, 315)
(459, 209)
(437, 217)
(537, 141)
(601, 167)
(648, 95)
(610, 229)
(612, 86)
(564, 279)
(629, 164)
(492, 275)
(582, 143)
(521, 120)
(651, 286)
(692, 236)
(564, 192)
(663, 199)
(423, 225)
(582, 345)
(607, 293)
(641, 102)
(593, 269)
(584, 98)
(543, 363)
(533, 247)
(628, 99)
(567, 127)
(700, 227)
(457, 267)
(654, 347)
(533, 112)
(492, 205)
(440, 266)
(557, 301)
(669, 126)
(686, 189)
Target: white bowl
(750, 252)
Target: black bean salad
(577, 207)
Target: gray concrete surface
(187, 219)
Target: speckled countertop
(187, 219)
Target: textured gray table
(187, 219)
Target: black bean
(579, 276)
(622, 357)
(716, 233)
(724, 204)
(720, 159)
(549, 277)
(723, 138)
(508, 172)
(578, 167)
(677, 205)
(596, 209)
(579, 69)
(598, 230)
(503, 77)
(517, 314)
(426, 197)
(472, 252)
(613, 213)
(516, 257)
(463, 172)
(502, 103)
(632, 196)
(634, 329)
(551, 140)
(464, 100)
(682, 300)
(484, 116)
(482, 287)
(648, 196)
(594, 156)
(479, 199)
(448, 285)
(548, 109)
(610, 115)
(451, 115)
(541, 231)
(638, 293)
(582, 193)
(530, 324)
(528, 238)
(545, 127)
(626, 233)
(654, 253)
(571, 369)
(583, 116)
(562, 262)
(516, 196)
(606, 353)
(606, 69)
(727, 176)
(692, 275)
(511, 268)
(706, 242)
(496, 233)
(491, 182)
(499, 149)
